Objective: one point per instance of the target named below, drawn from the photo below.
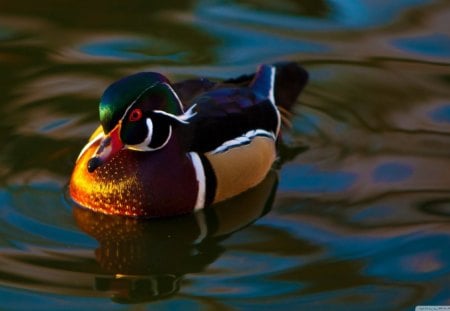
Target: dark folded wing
(230, 116)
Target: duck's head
(137, 112)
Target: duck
(165, 149)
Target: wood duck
(167, 149)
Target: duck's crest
(162, 97)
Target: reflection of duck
(149, 258)
(167, 149)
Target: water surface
(355, 216)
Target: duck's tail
(281, 82)
(290, 80)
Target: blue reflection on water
(176, 304)
(411, 261)
(246, 274)
(441, 114)
(338, 245)
(343, 14)
(250, 287)
(308, 178)
(346, 299)
(375, 212)
(21, 299)
(392, 172)
(46, 231)
(54, 124)
(306, 124)
(126, 49)
(22, 225)
(436, 45)
(363, 13)
(241, 45)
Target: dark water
(358, 221)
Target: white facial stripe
(144, 145)
(188, 114)
(172, 116)
(201, 180)
(175, 95)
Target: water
(358, 221)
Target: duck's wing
(228, 117)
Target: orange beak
(109, 146)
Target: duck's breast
(142, 184)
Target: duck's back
(230, 114)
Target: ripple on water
(26, 223)
(441, 114)
(360, 218)
(336, 15)
(110, 48)
(436, 45)
(41, 249)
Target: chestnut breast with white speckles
(140, 184)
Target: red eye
(135, 115)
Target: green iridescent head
(137, 112)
